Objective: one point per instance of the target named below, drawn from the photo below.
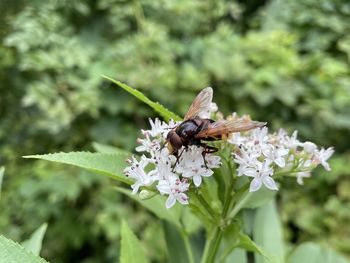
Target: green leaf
(238, 255)
(267, 232)
(11, 252)
(2, 171)
(34, 243)
(131, 249)
(313, 253)
(165, 113)
(108, 164)
(259, 198)
(156, 205)
(248, 244)
(104, 148)
(176, 247)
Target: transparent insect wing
(200, 104)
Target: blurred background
(284, 62)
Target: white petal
(163, 188)
(135, 188)
(250, 172)
(170, 201)
(140, 148)
(206, 172)
(280, 162)
(255, 185)
(197, 180)
(269, 183)
(326, 166)
(182, 198)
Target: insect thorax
(187, 129)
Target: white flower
(163, 162)
(290, 142)
(262, 175)
(192, 165)
(237, 139)
(322, 156)
(175, 189)
(245, 160)
(147, 145)
(213, 161)
(259, 136)
(157, 127)
(276, 155)
(136, 171)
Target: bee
(195, 130)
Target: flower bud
(146, 194)
(310, 147)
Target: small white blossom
(213, 161)
(147, 145)
(290, 142)
(276, 155)
(137, 172)
(157, 127)
(262, 173)
(322, 156)
(175, 188)
(192, 165)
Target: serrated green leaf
(104, 148)
(313, 253)
(165, 113)
(11, 252)
(267, 232)
(156, 205)
(2, 171)
(175, 245)
(109, 164)
(34, 243)
(131, 249)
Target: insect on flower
(195, 130)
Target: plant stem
(206, 205)
(187, 246)
(212, 245)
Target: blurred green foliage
(284, 62)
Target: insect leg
(207, 149)
(178, 159)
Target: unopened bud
(146, 194)
(310, 147)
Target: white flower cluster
(263, 156)
(157, 167)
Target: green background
(284, 62)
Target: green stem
(187, 246)
(212, 245)
(244, 197)
(229, 191)
(205, 204)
